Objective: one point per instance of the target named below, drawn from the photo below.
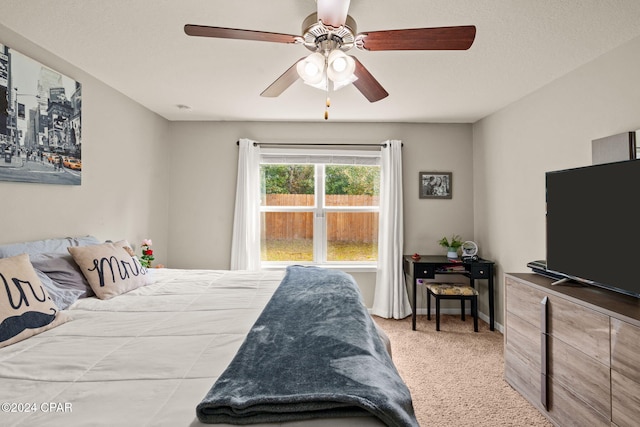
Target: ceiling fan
(328, 33)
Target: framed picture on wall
(40, 122)
(435, 185)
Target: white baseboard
(497, 326)
(423, 311)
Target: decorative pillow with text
(26, 309)
(109, 268)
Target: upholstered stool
(452, 291)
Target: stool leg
(474, 312)
(428, 305)
(462, 309)
(437, 313)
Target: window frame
(319, 208)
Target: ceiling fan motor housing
(323, 38)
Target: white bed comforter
(145, 358)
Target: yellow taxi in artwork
(72, 163)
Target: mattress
(144, 358)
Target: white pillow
(109, 268)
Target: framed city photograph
(40, 122)
(435, 185)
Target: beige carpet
(456, 375)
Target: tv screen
(593, 227)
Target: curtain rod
(323, 144)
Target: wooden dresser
(573, 351)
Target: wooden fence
(341, 226)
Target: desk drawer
(479, 271)
(424, 271)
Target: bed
(153, 354)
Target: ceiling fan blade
(283, 82)
(333, 12)
(238, 34)
(367, 84)
(439, 38)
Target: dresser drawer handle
(544, 352)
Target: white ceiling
(139, 48)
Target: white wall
(124, 191)
(204, 158)
(548, 130)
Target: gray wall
(124, 192)
(175, 182)
(548, 130)
(204, 160)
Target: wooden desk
(429, 265)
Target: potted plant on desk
(452, 245)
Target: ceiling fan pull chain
(328, 101)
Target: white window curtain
(390, 298)
(245, 245)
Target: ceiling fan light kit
(328, 33)
(340, 67)
(317, 67)
(311, 68)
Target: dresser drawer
(523, 339)
(524, 301)
(582, 328)
(625, 375)
(522, 358)
(523, 377)
(625, 349)
(625, 400)
(587, 378)
(566, 409)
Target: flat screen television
(593, 225)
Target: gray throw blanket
(313, 353)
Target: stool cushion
(451, 289)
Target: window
(319, 209)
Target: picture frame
(435, 185)
(40, 122)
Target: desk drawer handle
(481, 271)
(425, 271)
